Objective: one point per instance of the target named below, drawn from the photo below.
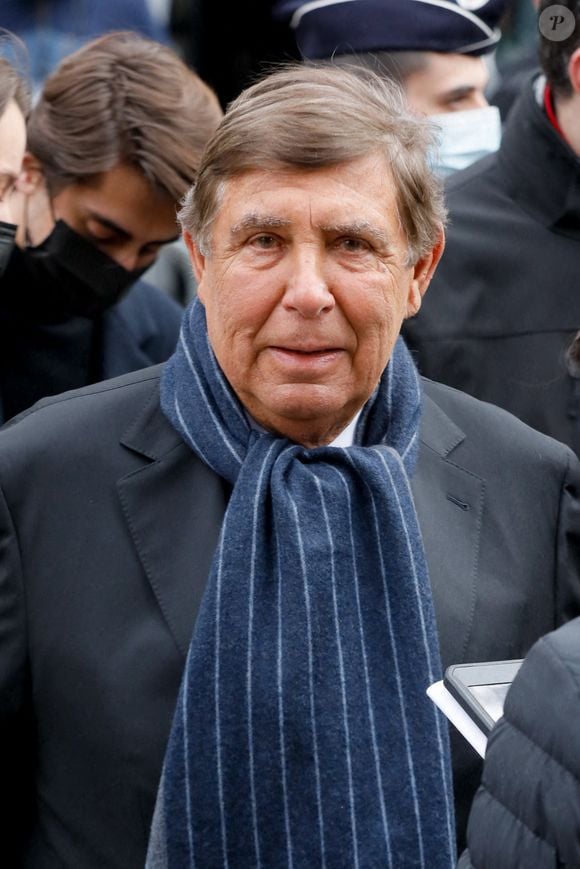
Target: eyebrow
(110, 224)
(7, 180)
(267, 221)
(458, 93)
(258, 221)
(7, 176)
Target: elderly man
(250, 503)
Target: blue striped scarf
(302, 735)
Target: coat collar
(175, 488)
(173, 506)
(542, 172)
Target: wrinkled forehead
(367, 181)
(358, 198)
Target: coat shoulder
(489, 429)
(96, 414)
(479, 175)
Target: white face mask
(465, 137)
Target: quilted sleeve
(527, 810)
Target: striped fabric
(302, 735)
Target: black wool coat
(504, 304)
(140, 330)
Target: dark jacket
(139, 331)
(526, 815)
(108, 524)
(504, 304)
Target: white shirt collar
(346, 436)
(344, 439)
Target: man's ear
(423, 271)
(197, 260)
(574, 70)
(32, 204)
(31, 176)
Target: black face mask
(7, 241)
(77, 278)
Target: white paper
(447, 703)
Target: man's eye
(102, 236)
(264, 241)
(460, 103)
(150, 250)
(354, 245)
(99, 233)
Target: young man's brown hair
(122, 99)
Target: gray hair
(315, 116)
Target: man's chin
(301, 401)
(305, 413)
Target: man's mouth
(306, 355)
(308, 351)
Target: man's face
(12, 145)
(118, 211)
(121, 214)
(449, 83)
(305, 290)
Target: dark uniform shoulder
(466, 178)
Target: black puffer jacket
(526, 814)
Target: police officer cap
(324, 28)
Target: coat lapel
(449, 501)
(174, 507)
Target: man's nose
(307, 288)
(479, 101)
(127, 257)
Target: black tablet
(480, 689)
